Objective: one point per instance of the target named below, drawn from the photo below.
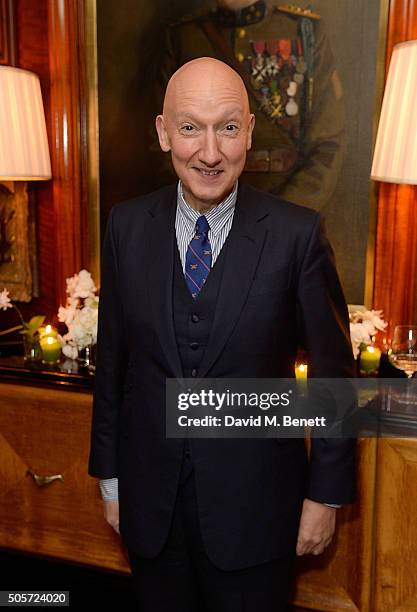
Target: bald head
(208, 77)
(207, 126)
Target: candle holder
(369, 360)
(51, 350)
(32, 351)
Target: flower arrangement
(364, 324)
(80, 314)
(29, 329)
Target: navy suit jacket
(279, 288)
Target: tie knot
(202, 225)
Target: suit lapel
(245, 242)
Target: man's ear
(162, 133)
(250, 130)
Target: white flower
(83, 328)
(70, 351)
(358, 334)
(68, 347)
(375, 317)
(369, 327)
(5, 302)
(80, 314)
(66, 314)
(81, 285)
(363, 325)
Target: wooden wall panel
(63, 62)
(396, 527)
(7, 33)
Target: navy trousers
(183, 579)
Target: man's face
(207, 127)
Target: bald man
(212, 278)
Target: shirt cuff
(333, 505)
(109, 488)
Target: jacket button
(193, 372)
(195, 318)
(194, 346)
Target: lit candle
(301, 370)
(48, 330)
(369, 359)
(51, 349)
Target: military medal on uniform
(258, 71)
(277, 72)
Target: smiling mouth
(208, 172)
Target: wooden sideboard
(370, 565)
(340, 578)
(45, 432)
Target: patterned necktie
(198, 258)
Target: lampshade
(24, 152)
(395, 156)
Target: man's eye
(231, 127)
(187, 128)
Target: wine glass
(403, 356)
(403, 352)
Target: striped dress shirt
(220, 219)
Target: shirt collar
(216, 217)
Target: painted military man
(285, 60)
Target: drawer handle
(44, 480)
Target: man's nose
(210, 153)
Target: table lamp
(24, 152)
(395, 156)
